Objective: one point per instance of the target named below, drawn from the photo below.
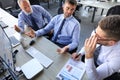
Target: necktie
(59, 30)
(34, 25)
(96, 54)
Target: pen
(77, 55)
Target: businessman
(33, 16)
(66, 29)
(102, 50)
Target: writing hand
(76, 56)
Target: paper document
(72, 70)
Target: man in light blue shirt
(38, 13)
(68, 39)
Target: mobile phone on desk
(3, 25)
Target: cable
(13, 75)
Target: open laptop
(15, 39)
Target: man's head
(25, 6)
(108, 30)
(69, 7)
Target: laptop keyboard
(14, 41)
(44, 60)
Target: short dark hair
(111, 26)
(72, 2)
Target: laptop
(15, 39)
(31, 68)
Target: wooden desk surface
(49, 49)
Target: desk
(49, 49)
(97, 4)
(43, 45)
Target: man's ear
(111, 43)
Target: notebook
(31, 68)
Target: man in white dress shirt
(108, 35)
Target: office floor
(86, 25)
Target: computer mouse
(31, 42)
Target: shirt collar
(68, 18)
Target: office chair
(46, 1)
(115, 10)
(11, 7)
(34, 2)
(0, 5)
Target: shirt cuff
(37, 34)
(89, 62)
(82, 51)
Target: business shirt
(108, 61)
(70, 32)
(38, 12)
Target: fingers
(90, 45)
(30, 34)
(31, 29)
(76, 56)
(91, 42)
(60, 50)
(16, 28)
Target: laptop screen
(6, 49)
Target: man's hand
(63, 50)
(31, 33)
(90, 46)
(17, 28)
(76, 56)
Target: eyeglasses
(103, 39)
